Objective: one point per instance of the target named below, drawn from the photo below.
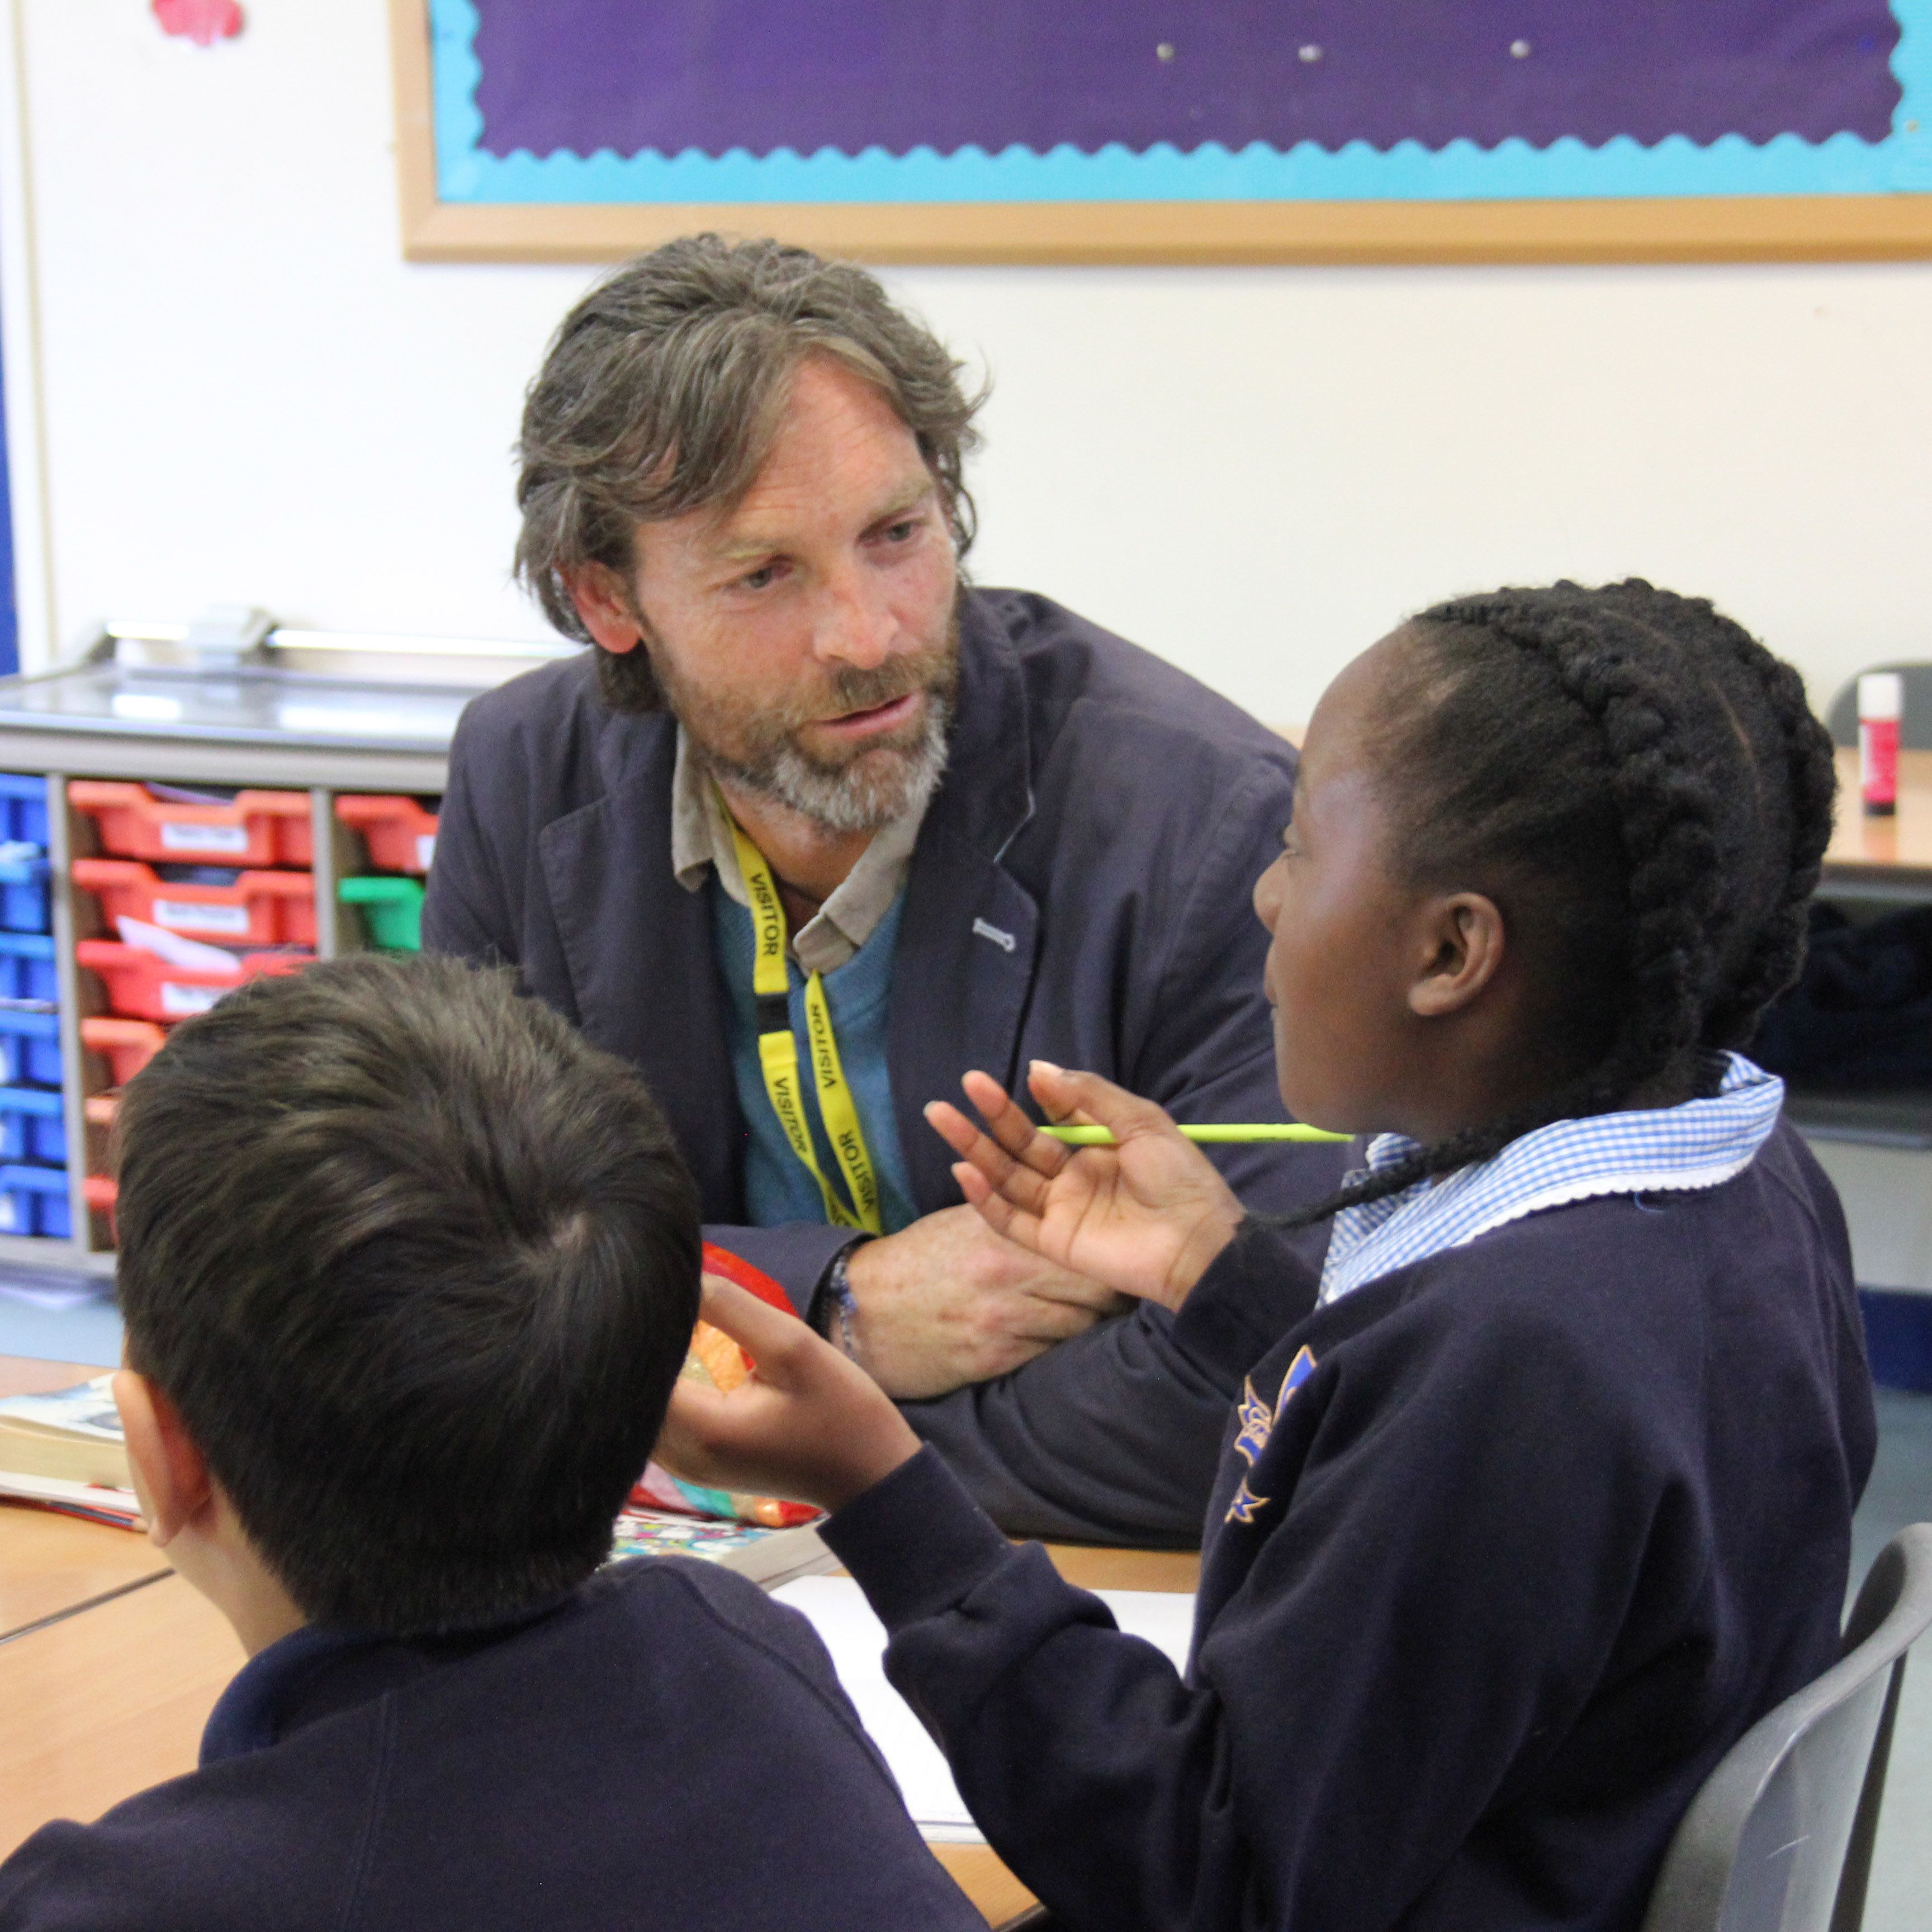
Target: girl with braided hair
(1539, 1492)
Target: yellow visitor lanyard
(777, 1053)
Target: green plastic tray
(392, 908)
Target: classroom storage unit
(183, 809)
(36, 1189)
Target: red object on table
(260, 828)
(203, 21)
(141, 987)
(258, 909)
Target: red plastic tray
(127, 1045)
(399, 834)
(141, 987)
(260, 828)
(259, 909)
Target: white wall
(247, 395)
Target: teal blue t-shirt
(777, 1187)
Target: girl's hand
(1145, 1217)
(808, 1423)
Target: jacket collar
(986, 796)
(963, 967)
(316, 1671)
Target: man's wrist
(835, 1310)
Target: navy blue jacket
(669, 1748)
(1554, 1518)
(1080, 893)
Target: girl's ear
(1464, 944)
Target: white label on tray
(193, 915)
(181, 1003)
(177, 837)
(425, 849)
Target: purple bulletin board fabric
(671, 77)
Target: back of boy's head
(417, 1266)
(1641, 787)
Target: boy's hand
(1145, 1217)
(807, 1423)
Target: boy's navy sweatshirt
(1507, 1547)
(668, 1747)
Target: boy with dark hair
(408, 1270)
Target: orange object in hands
(716, 1359)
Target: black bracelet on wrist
(835, 1310)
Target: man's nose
(854, 624)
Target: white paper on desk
(856, 1638)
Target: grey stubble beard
(872, 788)
(849, 798)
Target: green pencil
(1256, 1130)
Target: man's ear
(170, 1474)
(605, 603)
(1463, 947)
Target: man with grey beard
(815, 828)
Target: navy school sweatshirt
(1507, 1548)
(667, 1748)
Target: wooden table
(1886, 857)
(51, 1565)
(110, 1664)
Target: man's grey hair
(663, 390)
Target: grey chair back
(1915, 725)
(1779, 1837)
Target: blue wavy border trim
(1565, 170)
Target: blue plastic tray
(31, 1127)
(23, 808)
(27, 969)
(30, 1053)
(24, 905)
(33, 1201)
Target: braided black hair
(1640, 786)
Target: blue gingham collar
(1700, 1144)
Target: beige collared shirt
(700, 838)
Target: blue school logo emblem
(1257, 1424)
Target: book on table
(64, 1449)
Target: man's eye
(907, 527)
(757, 579)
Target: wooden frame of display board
(1598, 227)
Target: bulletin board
(1169, 130)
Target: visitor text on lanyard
(777, 1053)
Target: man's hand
(807, 1423)
(946, 1301)
(1145, 1216)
